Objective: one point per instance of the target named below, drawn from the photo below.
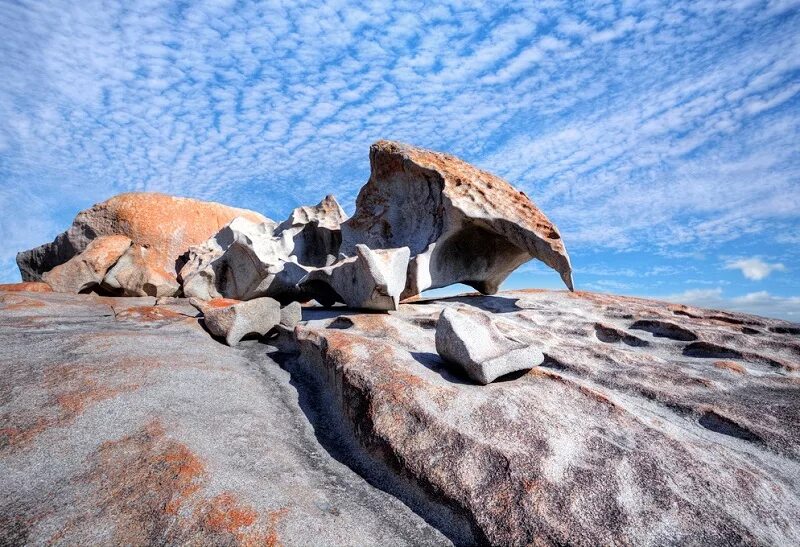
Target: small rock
(87, 269)
(291, 314)
(373, 279)
(474, 342)
(235, 321)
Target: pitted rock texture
(123, 423)
(164, 225)
(462, 224)
(647, 423)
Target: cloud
(754, 269)
(758, 303)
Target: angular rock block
(87, 269)
(472, 340)
(373, 279)
(291, 314)
(462, 225)
(247, 260)
(234, 320)
(165, 225)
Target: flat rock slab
(124, 422)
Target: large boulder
(462, 224)
(164, 225)
(473, 340)
(246, 260)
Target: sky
(662, 137)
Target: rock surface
(166, 226)
(646, 424)
(372, 280)
(462, 224)
(247, 260)
(123, 423)
(475, 342)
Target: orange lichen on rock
(149, 314)
(731, 366)
(221, 302)
(26, 286)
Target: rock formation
(473, 340)
(646, 424)
(463, 225)
(245, 260)
(371, 280)
(165, 226)
(86, 270)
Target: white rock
(462, 224)
(234, 321)
(472, 340)
(371, 279)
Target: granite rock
(462, 224)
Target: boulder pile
(423, 220)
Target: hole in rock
(720, 424)
(610, 335)
(785, 330)
(341, 323)
(710, 351)
(663, 329)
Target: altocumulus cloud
(754, 268)
(654, 127)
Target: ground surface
(125, 422)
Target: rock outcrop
(473, 340)
(463, 225)
(371, 280)
(646, 424)
(165, 226)
(247, 260)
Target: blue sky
(662, 137)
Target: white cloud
(754, 269)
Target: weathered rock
(233, 321)
(167, 226)
(371, 279)
(137, 428)
(604, 443)
(26, 286)
(462, 225)
(291, 314)
(247, 260)
(86, 270)
(136, 273)
(472, 340)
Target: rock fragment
(373, 279)
(473, 341)
(291, 314)
(248, 260)
(232, 320)
(462, 224)
(87, 269)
